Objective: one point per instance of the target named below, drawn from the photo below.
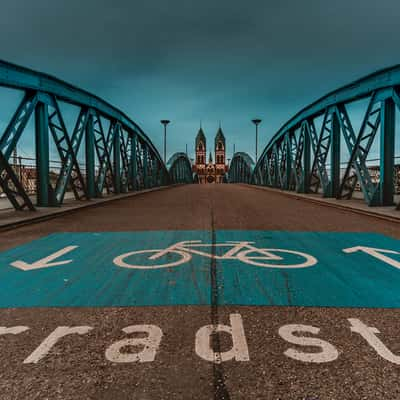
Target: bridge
(121, 278)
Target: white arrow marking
(377, 254)
(45, 262)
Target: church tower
(201, 148)
(201, 151)
(220, 155)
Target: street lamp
(165, 122)
(256, 122)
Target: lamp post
(165, 122)
(256, 122)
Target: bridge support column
(387, 142)
(42, 155)
(150, 176)
(288, 161)
(133, 161)
(305, 179)
(145, 167)
(89, 155)
(117, 159)
(154, 169)
(334, 184)
(162, 176)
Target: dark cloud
(211, 60)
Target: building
(210, 172)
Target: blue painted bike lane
(165, 268)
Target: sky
(210, 60)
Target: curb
(324, 203)
(30, 220)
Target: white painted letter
(150, 343)
(368, 333)
(239, 350)
(328, 353)
(14, 330)
(52, 339)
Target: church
(210, 172)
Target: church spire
(210, 160)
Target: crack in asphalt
(220, 390)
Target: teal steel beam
(359, 147)
(90, 157)
(125, 185)
(305, 179)
(268, 180)
(133, 161)
(68, 149)
(288, 160)
(153, 172)
(12, 187)
(42, 155)
(17, 124)
(104, 146)
(334, 183)
(386, 179)
(117, 159)
(275, 182)
(145, 166)
(321, 150)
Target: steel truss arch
(118, 158)
(180, 169)
(241, 168)
(303, 158)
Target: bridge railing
(180, 169)
(118, 155)
(307, 153)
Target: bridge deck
(197, 207)
(76, 366)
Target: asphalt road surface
(211, 325)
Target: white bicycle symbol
(242, 251)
